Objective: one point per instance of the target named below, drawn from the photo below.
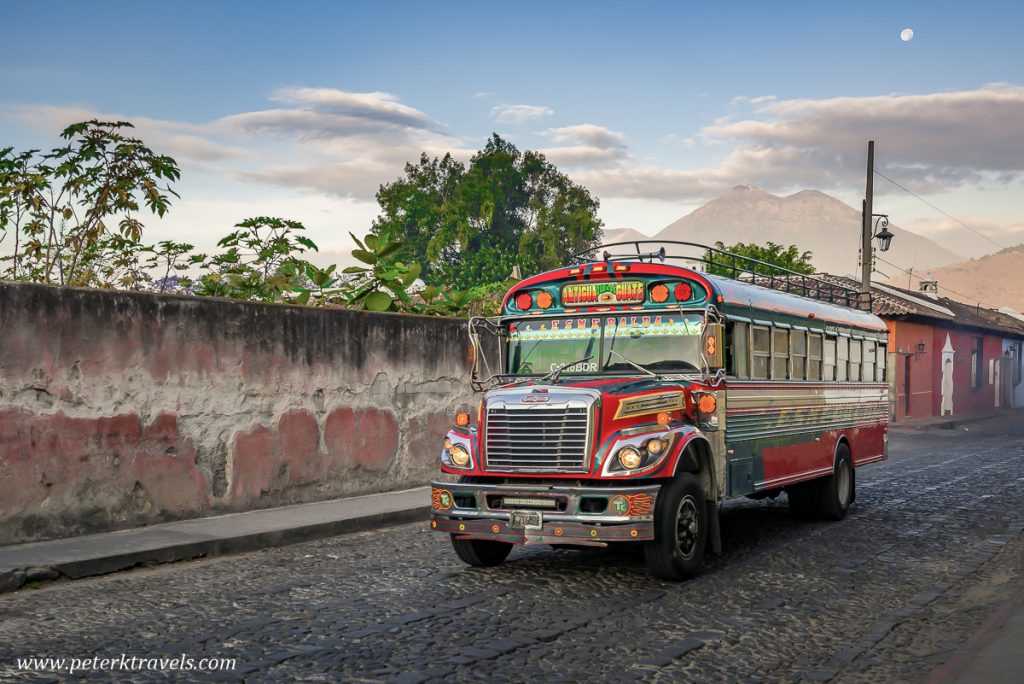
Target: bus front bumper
(544, 514)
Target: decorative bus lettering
(619, 292)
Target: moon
(906, 34)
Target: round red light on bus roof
(659, 293)
(524, 301)
(683, 292)
(544, 299)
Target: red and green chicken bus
(635, 395)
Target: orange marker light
(707, 404)
(544, 299)
(664, 418)
(659, 293)
(462, 419)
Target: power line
(947, 215)
(914, 275)
(954, 219)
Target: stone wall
(120, 409)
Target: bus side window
(739, 356)
(798, 357)
(760, 347)
(882, 351)
(780, 354)
(855, 360)
(869, 361)
(814, 357)
(829, 359)
(842, 358)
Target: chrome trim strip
(572, 493)
(789, 479)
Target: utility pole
(866, 232)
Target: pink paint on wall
(367, 438)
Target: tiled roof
(892, 302)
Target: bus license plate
(526, 520)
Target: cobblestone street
(932, 547)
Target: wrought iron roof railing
(726, 264)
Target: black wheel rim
(687, 527)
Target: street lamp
(883, 235)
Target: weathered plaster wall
(904, 344)
(967, 399)
(120, 409)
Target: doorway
(906, 386)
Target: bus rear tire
(836, 492)
(481, 552)
(680, 530)
(826, 497)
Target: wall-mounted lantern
(884, 235)
(920, 347)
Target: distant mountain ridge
(990, 280)
(809, 219)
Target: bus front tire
(481, 552)
(680, 530)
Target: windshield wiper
(553, 375)
(632, 363)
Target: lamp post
(881, 224)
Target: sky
(302, 109)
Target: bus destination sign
(610, 292)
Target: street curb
(15, 578)
(951, 424)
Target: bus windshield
(658, 342)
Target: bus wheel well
(843, 439)
(696, 459)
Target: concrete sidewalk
(98, 554)
(953, 422)
(993, 654)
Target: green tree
(59, 204)
(261, 261)
(790, 258)
(472, 225)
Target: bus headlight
(629, 458)
(459, 455)
(654, 446)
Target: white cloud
(590, 146)
(189, 144)
(588, 134)
(948, 139)
(519, 113)
(342, 145)
(934, 143)
(376, 106)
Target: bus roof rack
(722, 263)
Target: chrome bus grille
(536, 438)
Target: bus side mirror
(712, 343)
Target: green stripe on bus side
(746, 464)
